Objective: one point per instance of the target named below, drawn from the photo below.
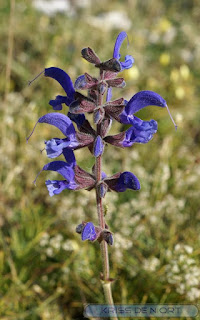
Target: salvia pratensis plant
(78, 132)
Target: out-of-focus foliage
(46, 271)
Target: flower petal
(57, 102)
(63, 78)
(89, 232)
(128, 63)
(56, 186)
(79, 119)
(140, 132)
(109, 94)
(126, 180)
(62, 168)
(141, 100)
(129, 60)
(69, 157)
(54, 147)
(59, 120)
(120, 38)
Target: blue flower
(56, 186)
(65, 81)
(66, 170)
(122, 181)
(89, 233)
(127, 180)
(139, 101)
(56, 146)
(129, 60)
(140, 131)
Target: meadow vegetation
(46, 272)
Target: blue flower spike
(94, 135)
(89, 232)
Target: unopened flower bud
(117, 83)
(80, 227)
(89, 55)
(98, 115)
(107, 236)
(102, 189)
(98, 147)
(102, 88)
(110, 65)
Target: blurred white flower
(51, 7)
(54, 243)
(49, 252)
(122, 242)
(111, 20)
(169, 35)
(44, 240)
(183, 272)
(181, 288)
(188, 249)
(175, 269)
(151, 264)
(70, 245)
(193, 294)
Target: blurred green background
(46, 272)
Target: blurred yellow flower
(152, 83)
(132, 74)
(164, 59)
(51, 62)
(184, 71)
(164, 25)
(179, 118)
(174, 76)
(180, 93)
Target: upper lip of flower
(63, 78)
(129, 60)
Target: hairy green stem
(106, 283)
